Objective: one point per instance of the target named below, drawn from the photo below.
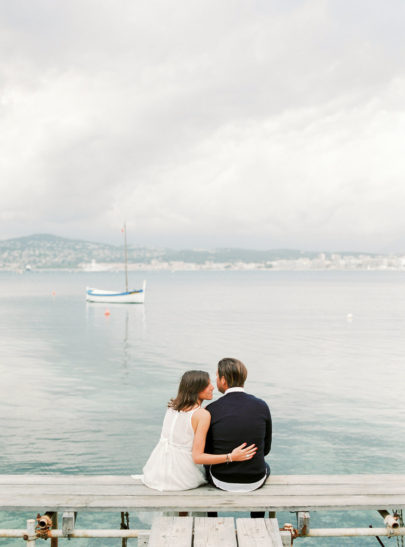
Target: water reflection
(124, 324)
(126, 345)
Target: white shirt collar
(233, 390)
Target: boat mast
(126, 256)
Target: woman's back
(177, 428)
(170, 466)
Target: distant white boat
(126, 297)
(120, 297)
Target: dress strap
(191, 412)
(194, 409)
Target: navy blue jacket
(238, 417)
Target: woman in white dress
(173, 462)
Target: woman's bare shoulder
(202, 415)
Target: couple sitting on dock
(230, 437)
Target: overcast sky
(253, 123)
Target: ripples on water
(83, 392)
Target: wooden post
(286, 538)
(143, 539)
(68, 522)
(124, 526)
(286, 534)
(303, 522)
(31, 535)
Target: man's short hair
(233, 370)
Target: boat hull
(116, 297)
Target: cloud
(266, 125)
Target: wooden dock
(211, 532)
(69, 494)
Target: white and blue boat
(135, 296)
(123, 297)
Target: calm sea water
(85, 392)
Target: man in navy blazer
(237, 418)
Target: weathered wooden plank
(293, 481)
(171, 532)
(68, 479)
(333, 489)
(335, 479)
(141, 490)
(253, 533)
(205, 496)
(273, 531)
(116, 493)
(215, 501)
(126, 480)
(211, 532)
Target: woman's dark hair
(191, 384)
(233, 370)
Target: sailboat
(119, 297)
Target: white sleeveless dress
(171, 466)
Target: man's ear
(223, 383)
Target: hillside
(45, 251)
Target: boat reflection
(120, 328)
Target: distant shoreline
(45, 252)
(213, 267)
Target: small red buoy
(107, 312)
